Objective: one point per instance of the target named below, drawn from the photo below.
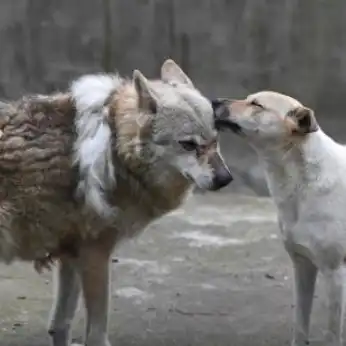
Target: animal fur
(305, 171)
(84, 169)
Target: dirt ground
(212, 273)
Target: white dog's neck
(310, 148)
(297, 166)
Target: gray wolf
(84, 169)
(305, 171)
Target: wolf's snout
(222, 176)
(222, 115)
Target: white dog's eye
(256, 104)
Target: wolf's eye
(256, 104)
(189, 145)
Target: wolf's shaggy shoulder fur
(35, 172)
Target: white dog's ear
(304, 119)
(147, 100)
(171, 72)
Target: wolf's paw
(77, 344)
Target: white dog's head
(265, 118)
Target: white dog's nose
(222, 114)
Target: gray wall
(228, 47)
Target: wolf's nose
(222, 175)
(222, 180)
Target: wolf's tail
(93, 147)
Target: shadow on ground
(212, 273)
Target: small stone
(269, 276)
(17, 324)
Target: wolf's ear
(147, 100)
(305, 120)
(171, 72)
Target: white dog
(306, 175)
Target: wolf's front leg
(95, 276)
(305, 278)
(335, 295)
(67, 287)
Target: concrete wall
(228, 47)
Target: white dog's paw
(332, 340)
(334, 343)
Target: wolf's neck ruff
(107, 118)
(92, 149)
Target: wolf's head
(180, 128)
(266, 119)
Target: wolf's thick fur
(305, 171)
(84, 169)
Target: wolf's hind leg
(67, 286)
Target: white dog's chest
(315, 228)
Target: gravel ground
(211, 273)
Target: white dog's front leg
(335, 295)
(305, 274)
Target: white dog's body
(309, 188)
(306, 175)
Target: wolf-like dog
(305, 171)
(84, 169)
